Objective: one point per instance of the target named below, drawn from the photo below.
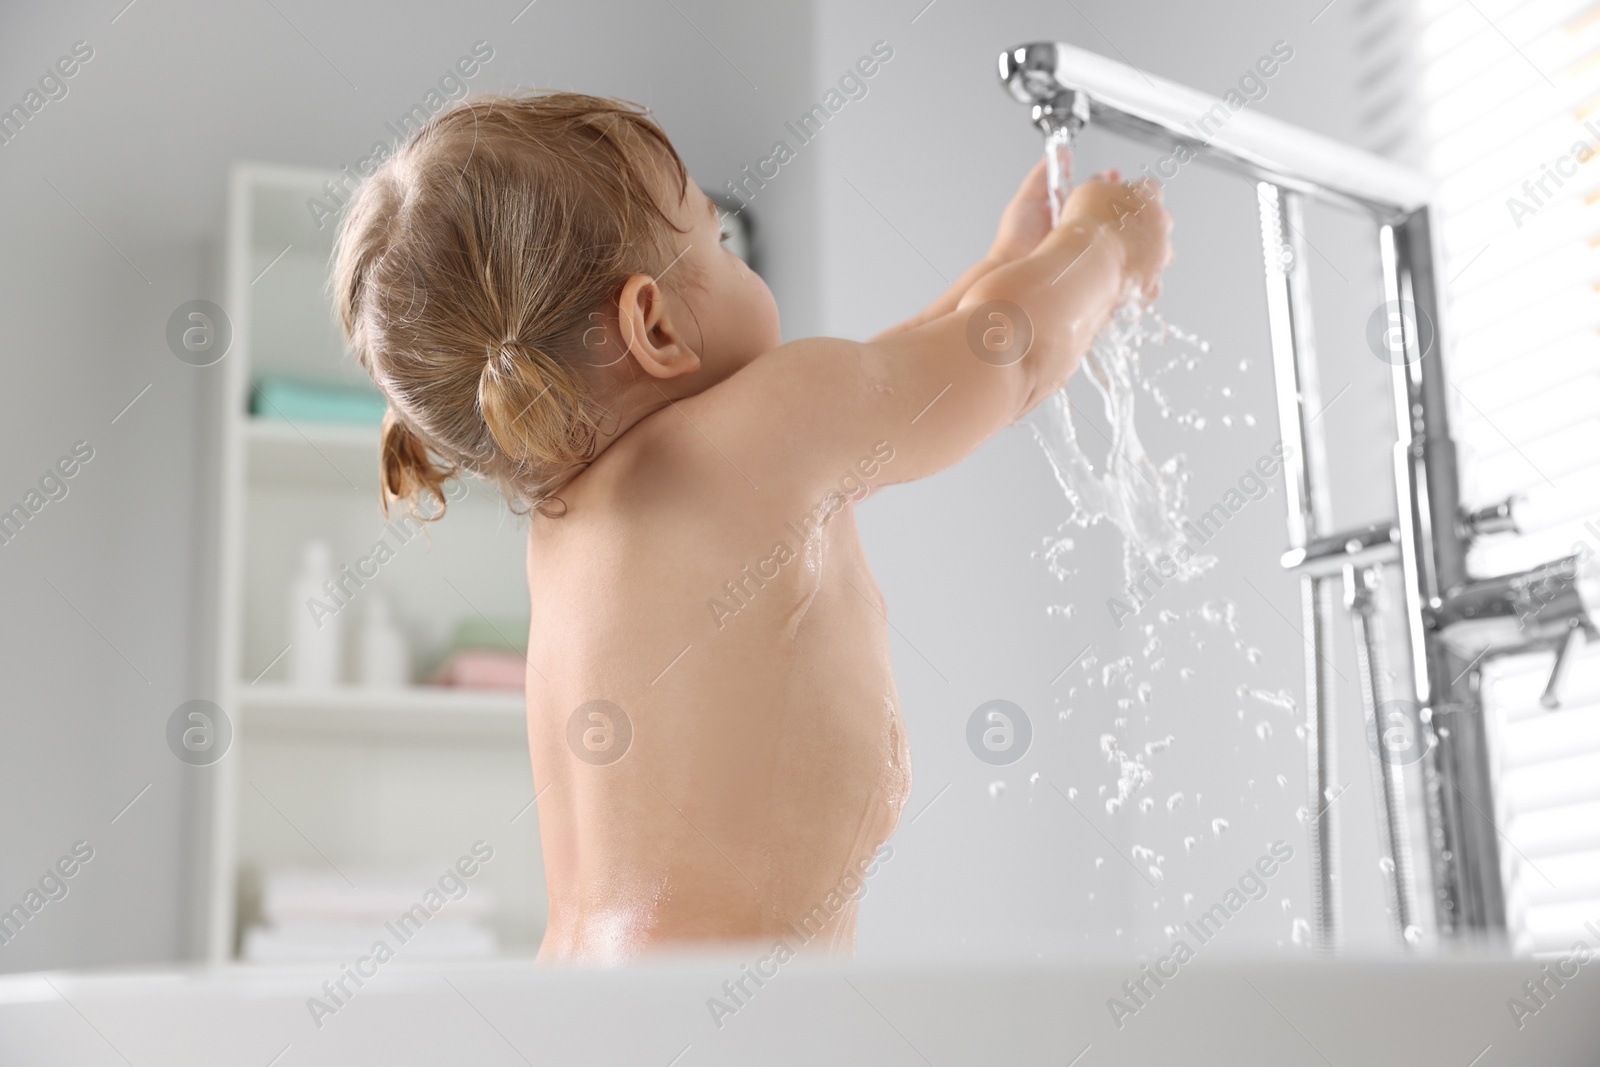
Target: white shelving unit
(346, 776)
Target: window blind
(1508, 122)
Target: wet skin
(707, 581)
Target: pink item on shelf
(483, 669)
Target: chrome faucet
(1454, 622)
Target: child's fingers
(1036, 179)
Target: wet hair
(467, 269)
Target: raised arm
(1023, 225)
(934, 392)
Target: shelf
(356, 711)
(312, 455)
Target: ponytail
(540, 415)
(406, 468)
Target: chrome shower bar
(1453, 622)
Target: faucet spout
(1029, 74)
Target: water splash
(1144, 500)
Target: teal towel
(295, 401)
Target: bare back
(733, 629)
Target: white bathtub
(1211, 1012)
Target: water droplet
(1189, 843)
(1283, 783)
(1278, 699)
(1064, 714)
(1227, 390)
(1072, 792)
(1413, 935)
(1300, 931)
(996, 789)
(1227, 420)
(1263, 729)
(1059, 611)
(1188, 898)
(1249, 420)
(1147, 804)
(1244, 364)
(1174, 801)
(1144, 692)
(1253, 655)
(1300, 814)
(1219, 826)
(1385, 864)
(1156, 875)
(1186, 673)
(1099, 861)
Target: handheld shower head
(1030, 74)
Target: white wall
(136, 155)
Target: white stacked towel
(319, 916)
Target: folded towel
(483, 669)
(298, 401)
(439, 939)
(508, 635)
(291, 895)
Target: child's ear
(649, 333)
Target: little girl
(541, 293)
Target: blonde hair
(469, 266)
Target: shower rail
(1453, 622)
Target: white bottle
(385, 661)
(315, 622)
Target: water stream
(1144, 500)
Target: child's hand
(1026, 219)
(1132, 214)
